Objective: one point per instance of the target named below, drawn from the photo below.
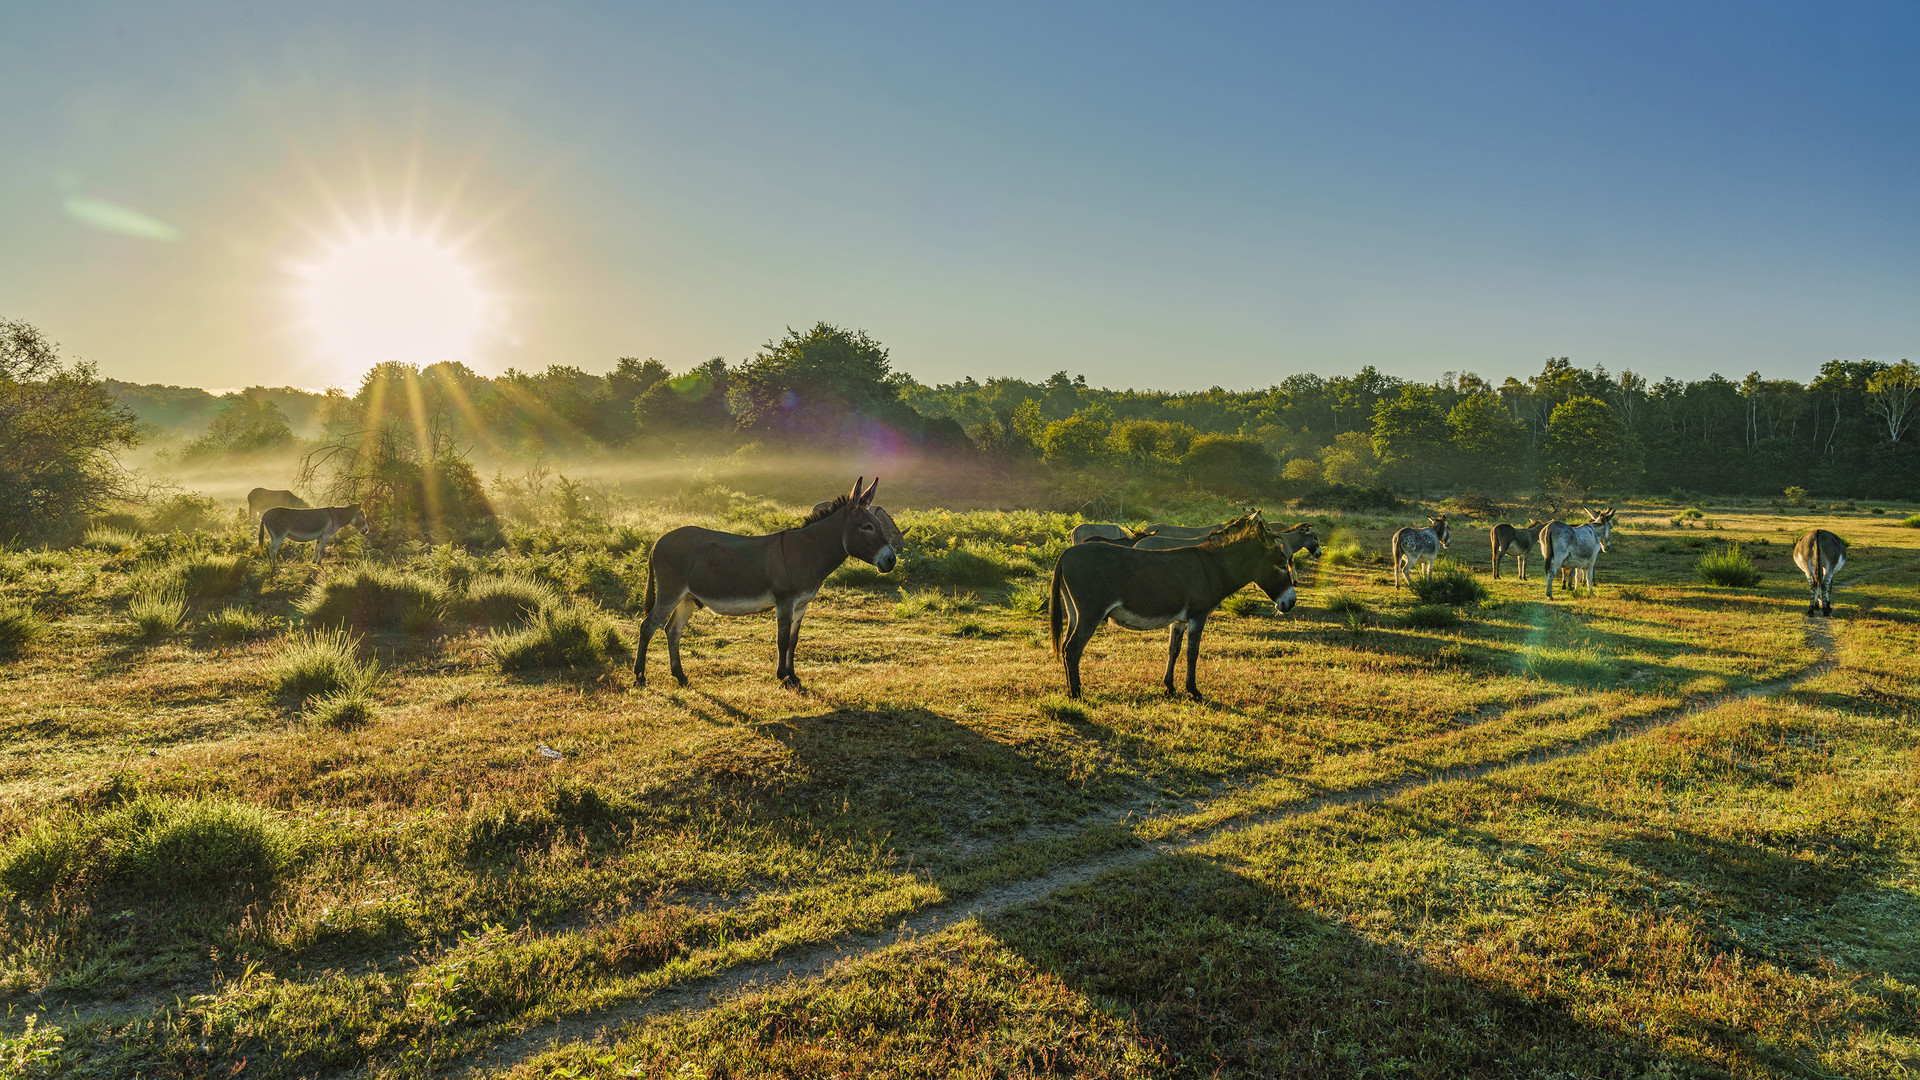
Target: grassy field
(407, 816)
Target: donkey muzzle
(884, 561)
(1284, 603)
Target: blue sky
(1172, 196)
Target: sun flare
(394, 297)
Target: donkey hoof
(682, 680)
(791, 682)
(1195, 695)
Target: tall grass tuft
(1345, 603)
(965, 564)
(376, 597)
(1433, 616)
(570, 636)
(507, 598)
(1451, 584)
(1576, 667)
(150, 846)
(109, 540)
(1247, 605)
(197, 575)
(19, 629)
(231, 625)
(1340, 549)
(157, 614)
(1730, 568)
(320, 665)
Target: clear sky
(1169, 195)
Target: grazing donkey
(1100, 530)
(1420, 547)
(319, 523)
(1518, 543)
(1820, 555)
(691, 568)
(1297, 538)
(1146, 590)
(1575, 548)
(261, 500)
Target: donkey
(1820, 555)
(1518, 543)
(319, 523)
(691, 568)
(1298, 538)
(1418, 547)
(1575, 548)
(1146, 590)
(261, 500)
(1100, 530)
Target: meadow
(406, 815)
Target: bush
(1912, 522)
(233, 624)
(1730, 568)
(570, 636)
(182, 513)
(156, 614)
(1433, 617)
(507, 598)
(963, 564)
(19, 629)
(321, 665)
(1451, 583)
(375, 597)
(151, 846)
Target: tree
(248, 423)
(1078, 440)
(1895, 394)
(1349, 460)
(1410, 435)
(1488, 445)
(813, 384)
(1232, 464)
(60, 432)
(1588, 446)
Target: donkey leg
(1522, 560)
(657, 616)
(676, 625)
(792, 678)
(784, 637)
(1178, 630)
(1080, 632)
(1193, 655)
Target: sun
(394, 296)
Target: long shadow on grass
(1224, 975)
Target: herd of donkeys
(1171, 576)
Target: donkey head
(1439, 527)
(869, 533)
(358, 519)
(1276, 572)
(1309, 540)
(1602, 526)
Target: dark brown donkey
(691, 568)
(1820, 555)
(1518, 543)
(1146, 590)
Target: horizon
(1167, 201)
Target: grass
(1247, 605)
(465, 857)
(1433, 617)
(377, 598)
(150, 847)
(19, 629)
(109, 540)
(322, 664)
(572, 637)
(506, 599)
(157, 614)
(1450, 583)
(232, 625)
(196, 575)
(1731, 568)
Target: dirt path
(822, 959)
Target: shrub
(320, 665)
(157, 614)
(1030, 599)
(151, 846)
(234, 624)
(182, 513)
(109, 539)
(1451, 583)
(1729, 568)
(375, 597)
(1433, 617)
(19, 629)
(968, 564)
(1912, 522)
(570, 636)
(1796, 495)
(350, 707)
(507, 598)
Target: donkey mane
(1238, 529)
(826, 510)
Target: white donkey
(1820, 555)
(1421, 547)
(1575, 548)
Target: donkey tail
(1056, 611)
(263, 532)
(652, 589)
(1399, 538)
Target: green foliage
(376, 597)
(319, 665)
(19, 629)
(231, 625)
(1065, 710)
(59, 432)
(566, 805)
(1450, 584)
(1796, 495)
(1433, 617)
(348, 707)
(249, 422)
(197, 575)
(1247, 605)
(1346, 603)
(1077, 441)
(970, 564)
(1488, 446)
(506, 599)
(1229, 464)
(1912, 522)
(1732, 568)
(182, 512)
(152, 847)
(157, 614)
(1349, 460)
(1410, 435)
(35, 1051)
(109, 539)
(1587, 446)
(1582, 666)
(570, 636)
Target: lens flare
(384, 297)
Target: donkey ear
(867, 499)
(855, 496)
